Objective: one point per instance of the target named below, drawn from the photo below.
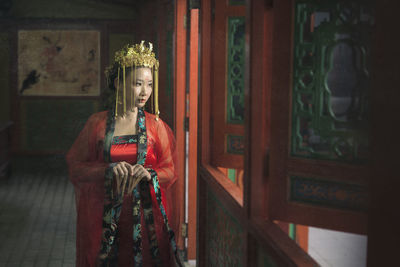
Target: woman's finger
(137, 180)
(138, 172)
(120, 171)
(131, 184)
(124, 185)
(130, 169)
(115, 171)
(120, 182)
(135, 168)
(124, 169)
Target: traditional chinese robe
(87, 167)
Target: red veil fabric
(86, 166)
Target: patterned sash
(108, 255)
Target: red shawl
(87, 169)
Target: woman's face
(142, 87)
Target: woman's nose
(143, 90)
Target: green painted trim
(333, 194)
(234, 144)
(316, 131)
(292, 231)
(232, 175)
(237, 2)
(235, 55)
(263, 259)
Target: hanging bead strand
(123, 73)
(116, 98)
(155, 85)
(130, 88)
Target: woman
(123, 167)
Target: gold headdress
(133, 57)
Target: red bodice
(128, 153)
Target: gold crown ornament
(130, 58)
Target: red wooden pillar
(179, 110)
(193, 92)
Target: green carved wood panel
(331, 71)
(235, 73)
(333, 194)
(263, 259)
(224, 235)
(237, 2)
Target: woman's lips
(142, 100)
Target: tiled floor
(337, 249)
(37, 215)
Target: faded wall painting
(59, 62)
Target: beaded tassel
(123, 73)
(155, 84)
(116, 98)
(132, 82)
(134, 86)
(152, 95)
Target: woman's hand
(139, 173)
(122, 171)
(128, 176)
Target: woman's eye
(150, 84)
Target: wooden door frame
(180, 103)
(248, 210)
(193, 110)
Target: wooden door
(233, 134)
(307, 129)
(320, 137)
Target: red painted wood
(219, 156)
(258, 57)
(193, 111)
(204, 124)
(218, 179)
(278, 244)
(302, 236)
(179, 90)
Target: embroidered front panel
(125, 139)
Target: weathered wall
(49, 125)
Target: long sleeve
(85, 158)
(86, 171)
(166, 167)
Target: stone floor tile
(55, 263)
(27, 263)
